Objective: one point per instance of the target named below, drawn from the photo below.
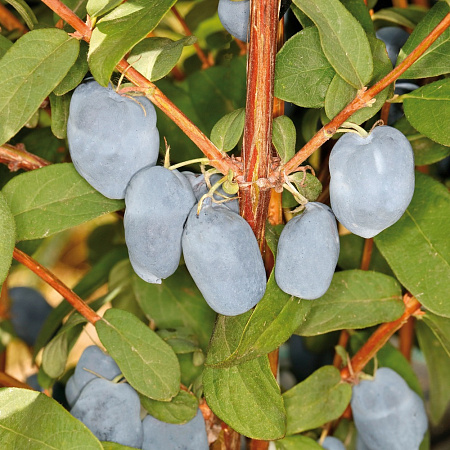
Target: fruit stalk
(379, 338)
(257, 144)
(362, 99)
(56, 284)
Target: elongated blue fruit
(162, 435)
(372, 180)
(388, 414)
(307, 254)
(158, 201)
(235, 18)
(223, 258)
(111, 411)
(111, 137)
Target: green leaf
(96, 8)
(427, 108)
(309, 186)
(181, 340)
(297, 443)
(355, 299)
(29, 71)
(304, 20)
(8, 234)
(146, 361)
(181, 409)
(438, 365)
(284, 137)
(436, 59)
(119, 31)
(406, 17)
(351, 251)
(360, 12)
(302, 72)
(175, 303)
(343, 41)
(76, 73)
(56, 352)
(321, 398)
(440, 326)
(425, 150)
(271, 323)
(60, 113)
(34, 421)
(95, 278)
(155, 57)
(120, 284)
(5, 45)
(340, 93)
(247, 398)
(417, 246)
(25, 12)
(228, 130)
(52, 199)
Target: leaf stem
(201, 54)
(57, 284)
(379, 338)
(16, 157)
(367, 254)
(363, 98)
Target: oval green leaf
(52, 199)
(120, 30)
(228, 130)
(319, 399)
(181, 409)
(247, 397)
(428, 108)
(146, 361)
(343, 41)
(420, 240)
(302, 72)
(284, 137)
(34, 421)
(8, 234)
(29, 71)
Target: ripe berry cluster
(170, 212)
(113, 412)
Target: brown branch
(57, 285)
(16, 157)
(406, 335)
(400, 3)
(200, 53)
(9, 381)
(367, 254)
(9, 21)
(379, 338)
(384, 115)
(343, 340)
(257, 142)
(363, 99)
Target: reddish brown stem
(57, 284)
(367, 254)
(16, 157)
(9, 381)
(9, 21)
(384, 115)
(406, 335)
(363, 99)
(201, 54)
(379, 338)
(257, 143)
